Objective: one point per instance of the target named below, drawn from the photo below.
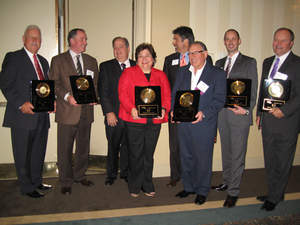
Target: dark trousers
(196, 151)
(29, 148)
(66, 135)
(116, 145)
(175, 164)
(142, 140)
(279, 153)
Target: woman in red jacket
(142, 133)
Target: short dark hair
(185, 33)
(73, 33)
(120, 38)
(201, 44)
(144, 46)
(292, 35)
(232, 30)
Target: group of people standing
(132, 139)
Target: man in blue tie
(280, 126)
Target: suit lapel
(284, 66)
(116, 67)
(268, 67)
(29, 66)
(236, 64)
(70, 62)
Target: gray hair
(32, 27)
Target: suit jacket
(134, 76)
(15, 83)
(109, 75)
(171, 70)
(213, 99)
(244, 68)
(62, 67)
(291, 120)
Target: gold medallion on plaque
(276, 90)
(186, 99)
(42, 90)
(238, 87)
(82, 83)
(147, 95)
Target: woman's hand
(134, 114)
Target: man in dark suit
(234, 123)
(74, 120)
(280, 125)
(182, 38)
(109, 75)
(196, 138)
(29, 130)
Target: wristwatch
(247, 112)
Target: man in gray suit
(280, 125)
(234, 123)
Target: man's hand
(238, 110)
(27, 108)
(72, 100)
(199, 117)
(258, 122)
(111, 119)
(134, 114)
(277, 113)
(163, 112)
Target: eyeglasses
(196, 52)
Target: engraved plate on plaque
(186, 105)
(83, 89)
(238, 92)
(42, 95)
(148, 101)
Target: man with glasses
(196, 139)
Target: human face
(179, 44)
(231, 42)
(197, 56)
(121, 52)
(145, 61)
(79, 42)
(32, 40)
(282, 42)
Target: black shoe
(200, 199)
(221, 187)
(263, 198)
(268, 206)
(35, 194)
(44, 187)
(184, 194)
(172, 183)
(85, 182)
(109, 181)
(230, 201)
(123, 178)
(66, 190)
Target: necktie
(123, 65)
(38, 68)
(275, 67)
(228, 67)
(79, 68)
(182, 61)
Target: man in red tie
(29, 130)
